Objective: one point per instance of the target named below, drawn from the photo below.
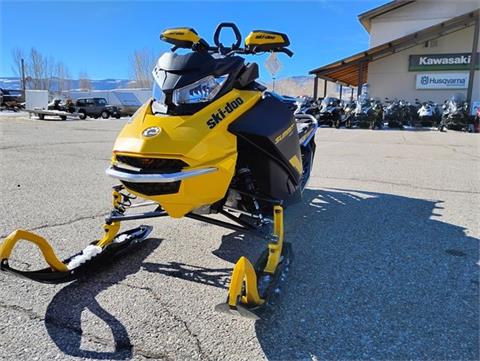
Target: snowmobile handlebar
(258, 41)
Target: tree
(141, 66)
(40, 70)
(17, 56)
(85, 83)
(62, 75)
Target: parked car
(12, 99)
(96, 107)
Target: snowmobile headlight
(201, 91)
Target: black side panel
(267, 143)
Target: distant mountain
(293, 86)
(303, 85)
(103, 84)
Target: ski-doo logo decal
(265, 36)
(222, 113)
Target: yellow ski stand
(275, 248)
(244, 278)
(245, 297)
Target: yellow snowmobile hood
(201, 140)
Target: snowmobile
(211, 140)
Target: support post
(23, 77)
(360, 79)
(351, 93)
(341, 89)
(473, 63)
(315, 87)
(325, 88)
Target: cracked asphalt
(386, 247)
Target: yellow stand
(243, 286)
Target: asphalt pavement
(386, 256)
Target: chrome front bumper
(137, 177)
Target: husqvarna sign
(456, 61)
(442, 81)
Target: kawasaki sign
(458, 61)
(442, 81)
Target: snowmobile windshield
(457, 98)
(328, 101)
(453, 107)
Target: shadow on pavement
(63, 315)
(374, 277)
(216, 277)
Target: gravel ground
(386, 256)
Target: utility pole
(23, 77)
(473, 63)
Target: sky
(98, 37)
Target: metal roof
(365, 17)
(349, 70)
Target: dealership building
(420, 49)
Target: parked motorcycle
(348, 109)
(455, 114)
(306, 105)
(410, 113)
(329, 111)
(392, 114)
(363, 115)
(428, 114)
(377, 120)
